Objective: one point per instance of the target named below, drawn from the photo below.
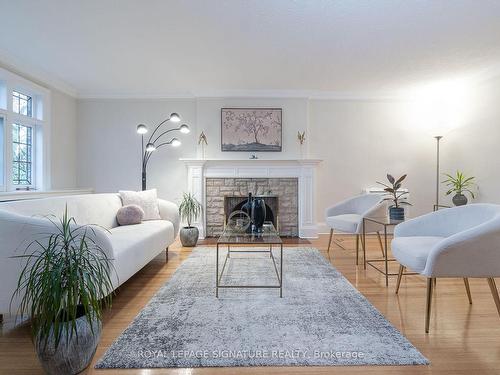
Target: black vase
(258, 214)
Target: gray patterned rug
(322, 320)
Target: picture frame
(251, 129)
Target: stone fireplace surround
(303, 170)
(219, 192)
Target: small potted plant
(459, 184)
(189, 210)
(63, 287)
(396, 212)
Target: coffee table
(232, 237)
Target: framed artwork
(251, 129)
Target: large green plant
(393, 190)
(67, 274)
(459, 184)
(189, 209)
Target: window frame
(39, 122)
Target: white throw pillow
(147, 200)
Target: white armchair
(347, 216)
(456, 242)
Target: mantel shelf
(201, 161)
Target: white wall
(359, 140)
(109, 149)
(63, 141)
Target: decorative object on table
(65, 307)
(239, 221)
(256, 209)
(146, 199)
(202, 140)
(253, 157)
(189, 209)
(459, 184)
(396, 212)
(130, 215)
(301, 138)
(251, 129)
(155, 143)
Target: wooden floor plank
(464, 339)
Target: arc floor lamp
(154, 144)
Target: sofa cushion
(135, 245)
(147, 200)
(347, 223)
(130, 215)
(413, 252)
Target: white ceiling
(203, 47)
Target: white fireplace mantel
(302, 169)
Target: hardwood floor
(464, 339)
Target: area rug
(322, 320)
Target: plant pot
(74, 353)
(396, 213)
(459, 200)
(189, 236)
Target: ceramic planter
(459, 200)
(396, 213)
(189, 236)
(74, 353)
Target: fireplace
(233, 203)
(292, 180)
(224, 195)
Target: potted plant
(396, 212)
(63, 287)
(459, 185)
(189, 210)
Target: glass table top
(384, 220)
(269, 235)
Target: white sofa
(130, 247)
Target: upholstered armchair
(347, 217)
(459, 242)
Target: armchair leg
(357, 249)
(430, 285)
(380, 243)
(1, 318)
(494, 293)
(330, 240)
(467, 289)
(166, 253)
(400, 276)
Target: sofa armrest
(17, 232)
(170, 211)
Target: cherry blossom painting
(251, 129)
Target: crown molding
(36, 75)
(270, 94)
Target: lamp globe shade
(175, 142)
(184, 129)
(150, 147)
(174, 117)
(142, 129)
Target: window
(22, 155)
(24, 134)
(22, 104)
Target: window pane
(21, 154)
(22, 103)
